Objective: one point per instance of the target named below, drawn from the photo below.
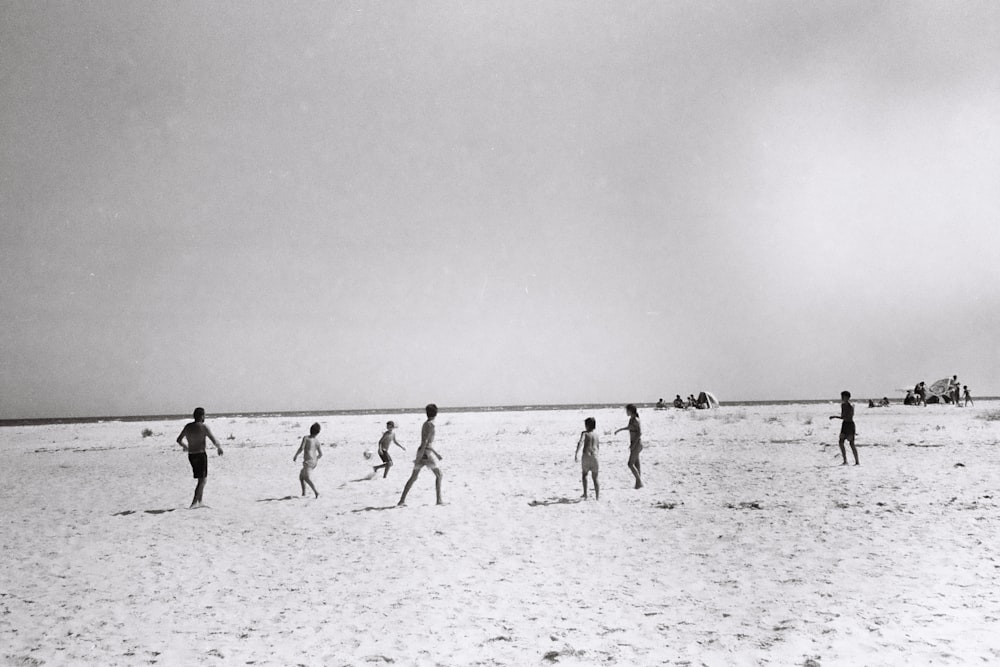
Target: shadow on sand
(555, 501)
(274, 500)
(127, 512)
(375, 509)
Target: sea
(305, 414)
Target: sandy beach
(750, 543)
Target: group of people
(194, 435)
(955, 393)
(679, 402)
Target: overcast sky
(298, 206)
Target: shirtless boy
(847, 429)
(424, 456)
(195, 433)
(311, 452)
(388, 438)
(590, 443)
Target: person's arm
(215, 442)
(397, 442)
(579, 444)
(180, 439)
(433, 451)
(319, 451)
(623, 428)
(299, 450)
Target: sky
(255, 206)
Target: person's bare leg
(437, 486)
(409, 483)
(633, 466)
(311, 486)
(199, 490)
(843, 452)
(584, 486)
(597, 489)
(387, 466)
(854, 450)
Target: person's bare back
(196, 433)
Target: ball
(368, 453)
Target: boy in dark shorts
(195, 433)
(847, 429)
(388, 438)
(424, 456)
(590, 444)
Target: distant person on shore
(311, 452)
(884, 402)
(661, 404)
(955, 391)
(635, 442)
(388, 438)
(967, 396)
(424, 456)
(921, 392)
(195, 434)
(590, 444)
(847, 429)
(678, 401)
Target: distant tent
(706, 399)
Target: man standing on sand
(847, 430)
(424, 453)
(195, 433)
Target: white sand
(749, 545)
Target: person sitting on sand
(195, 433)
(635, 442)
(423, 458)
(678, 401)
(884, 402)
(311, 452)
(590, 444)
(847, 429)
(388, 438)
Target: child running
(635, 442)
(590, 443)
(311, 452)
(388, 438)
(847, 429)
(424, 457)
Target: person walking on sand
(967, 396)
(590, 444)
(424, 456)
(847, 429)
(195, 434)
(635, 442)
(311, 452)
(388, 438)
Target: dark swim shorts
(847, 430)
(199, 464)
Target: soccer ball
(368, 453)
